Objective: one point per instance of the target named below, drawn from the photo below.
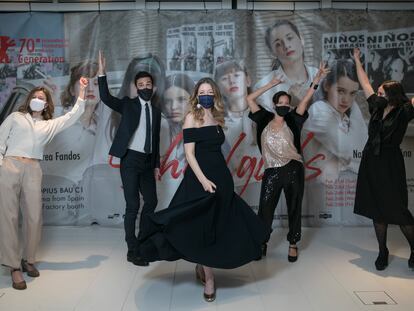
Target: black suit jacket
(130, 110)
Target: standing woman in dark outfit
(206, 222)
(381, 192)
(278, 137)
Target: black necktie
(147, 147)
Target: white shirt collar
(143, 102)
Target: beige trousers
(20, 188)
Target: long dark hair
(395, 93)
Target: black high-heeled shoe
(411, 261)
(293, 258)
(382, 260)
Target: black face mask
(382, 102)
(282, 110)
(145, 94)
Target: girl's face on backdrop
(233, 84)
(341, 95)
(286, 45)
(176, 100)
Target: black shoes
(382, 260)
(130, 256)
(411, 261)
(136, 260)
(293, 258)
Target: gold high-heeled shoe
(210, 297)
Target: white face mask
(37, 104)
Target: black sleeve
(106, 97)
(299, 119)
(408, 109)
(261, 116)
(190, 135)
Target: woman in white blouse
(23, 136)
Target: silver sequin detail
(277, 147)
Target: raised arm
(362, 76)
(251, 98)
(189, 149)
(59, 124)
(303, 105)
(106, 97)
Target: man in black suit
(137, 144)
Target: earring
(198, 106)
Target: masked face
(145, 94)
(282, 107)
(37, 104)
(207, 101)
(206, 95)
(282, 110)
(144, 88)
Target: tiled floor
(84, 269)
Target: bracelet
(314, 86)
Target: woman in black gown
(381, 192)
(206, 222)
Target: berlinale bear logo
(5, 43)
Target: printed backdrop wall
(240, 50)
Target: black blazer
(130, 110)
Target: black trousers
(290, 178)
(137, 176)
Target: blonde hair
(217, 110)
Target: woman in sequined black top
(278, 137)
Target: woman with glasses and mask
(278, 137)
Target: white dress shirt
(137, 141)
(23, 136)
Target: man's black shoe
(130, 256)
